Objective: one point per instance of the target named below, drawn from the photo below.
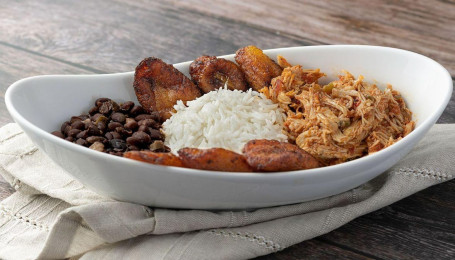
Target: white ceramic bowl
(41, 104)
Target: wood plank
(96, 43)
(419, 227)
(448, 116)
(114, 37)
(315, 249)
(16, 64)
(422, 26)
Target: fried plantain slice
(158, 86)
(214, 159)
(166, 159)
(210, 73)
(259, 69)
(274, 156)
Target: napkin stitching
(10, 137)
(425, 173)
(31, 152)
(245, 218)
(354, 196)
(231, 220)
(260, 240)
(24, 219)
(328, 219)
(22, 155)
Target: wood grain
(409, 229)
(425, 27)
(74, 37)
(315, 249)
(16, 64)
(448, 116)
(128, 32)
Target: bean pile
(115, 128)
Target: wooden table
(85, 37)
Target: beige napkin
(54, 216)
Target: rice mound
(224, 118)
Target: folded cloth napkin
(54, 216)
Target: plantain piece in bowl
(211, 73)
(274, 156)
(259, 69)
(159, 85)
(214, 159)
(167, 159)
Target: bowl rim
(321, 172)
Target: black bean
(118, 117)
(101, 126)
(118, 144)
(75, 118)
(101, 119)
(136, 110)
(116, 153)
(149, 123)
(96, 116)
(115, 106)
(156, 116)
(143, 116)
(124, 132)
(81, 141)
(139, 139)
(155, 134)
(67, 129)
(132, 148)
(143, 128)
(93, 139)
(100, 101)
(113, 125)
(126, 107)
(58, 134)
(108, 136)
(84, 116)
(83, 134)
(98, 146)
(73, 132)
(106, 108)
(114, 128)
(92, 129)
(93, 110)
(116, 135)
(64, 125)
(78, 125)
(131, 124)
(157, 145)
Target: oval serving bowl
(41, 104)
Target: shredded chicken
(343, 120)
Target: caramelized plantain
(210, 73)
(214, 159)
(167, 159)
(158, 86)
(275, 156)
(259, 69)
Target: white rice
(224, 118)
